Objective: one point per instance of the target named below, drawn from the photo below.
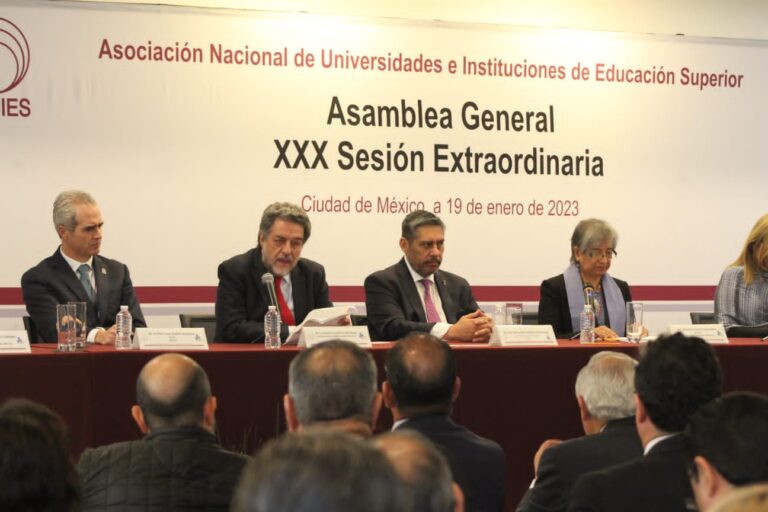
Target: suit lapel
(103, 289)
(410, 291)
(68, 277)
(257, 270)
(298, 285)
(446, 297)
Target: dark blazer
(657, 482)
(53, 282)
(180, 468)
(554, 309)
(478, 465)
(393, 305)
(561, 465)
(242, 299)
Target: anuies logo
(14, 64)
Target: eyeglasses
(597, 254)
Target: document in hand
(322, 317)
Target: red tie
(285, 311)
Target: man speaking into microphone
(297, 285)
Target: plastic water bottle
(587, 322)
(272, 328)
(124, 323)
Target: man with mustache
(77, 273)
(242, 299)
(414, 295)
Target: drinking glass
(65, 327)
(634, 321)
(514, 313)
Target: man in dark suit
(76, 272)
(420, 390)
(178, 464)
(605, 394)
(242, 299)
(414, 295)
(676, 375)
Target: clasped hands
(475, 327)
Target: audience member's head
(423, 470)
(319, 470)
(605, 389)
(333, 384)
(421, 377)
(729, 443)
(675, 376)
(172, 390)
(752, 498)
(36, 472)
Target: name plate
(14, 342)
(182, 338)
(357, 334)
(711, 333)
(522, 335)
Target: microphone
(269, 280)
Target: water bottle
(124, 323)
(587, 321)
(272, 328)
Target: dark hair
(36, 472)
(332, 381)
(318, 471)
(421, 370)
(185, 409)
(415, 220)
(732, 434)
(675, 376)
(285, 211)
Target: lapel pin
(103, 271)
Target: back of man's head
(36, 472)
(421, 371)
(731, 433)
(422, 468)
(675, 376)
(607, 385)
(319, 471)
(335, 380)
(172, 391)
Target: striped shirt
(738, 304)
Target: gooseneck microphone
(269, 280)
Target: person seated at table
(36, 473)
(593, 246)
(333, 385)
(741, 299)
(242, 298)
(178, 465)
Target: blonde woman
(741, 300)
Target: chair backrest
(207, 322)
(702, 318)
(29, 326)
(531, 318)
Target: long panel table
(516, 396)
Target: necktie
(83, 272)
(429, 305)
(285, 311)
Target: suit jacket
(242, 299)
(657, 482)
(394, 308)
(561, 465)
(180, 468)
(53, 282)
(478, 465)
(554, 309)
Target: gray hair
(607, 385)
(332, 381)
(65, 207)
(416, 219)
(591, 232)
(423, 469)
(285, 211)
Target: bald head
(421, 371)
(172, 391)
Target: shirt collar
(656, 440)
(415, 275)
(74, 264)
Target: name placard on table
(711, 333)
(522, 335)
(14, 342)
(357, 334)
(181, 338)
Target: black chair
(359, 319)
(31, 328)
(702, 318)
(207, 322)
(531, 318)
